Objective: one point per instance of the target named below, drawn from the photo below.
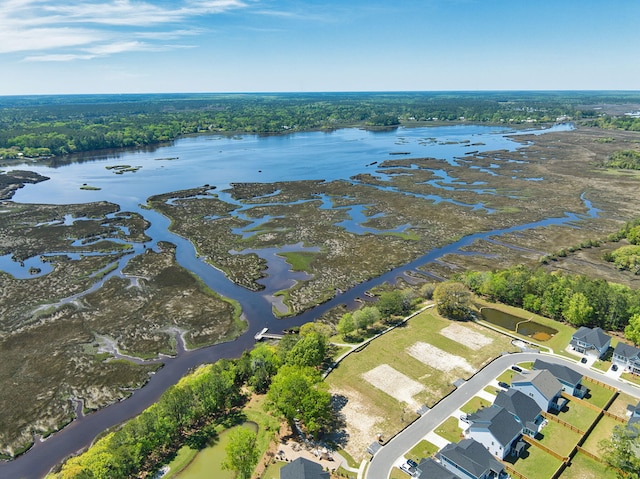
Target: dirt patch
(394, 383)
(437, 358)
(460, 334)
(361, 423)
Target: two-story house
(303, 468)
(468, 459)
(593, 341)
(570, 379)
(496, 429)
(542, 386)
(627, 357)
(523, 408)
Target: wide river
(219, 161)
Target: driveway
(382, 462)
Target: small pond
(518, 324)
(207, 464)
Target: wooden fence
(553, 418)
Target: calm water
(219, 161)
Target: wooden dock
(266, 335)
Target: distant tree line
(577, 299)
(188, 412)
(60, 125)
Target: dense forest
(41, 126)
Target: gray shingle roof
(562, 373)
(303, 468)
(433, 470)
(520, 405)
(542, 379)
(499, 421)
(595, 336)
(471, 456)
(628, 352)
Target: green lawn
(422, 450)
(449, 430)
(597, 395)
(633, 378)
(558, 438)
(603, 430)
(583, 467)
(578, 415)
(536, 464)
(474, 404)
(273, 471)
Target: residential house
(542, 386)
(593, 341)
(570, 379)
(496, 429)
(523, 408)
(431, 469)
(303, 468)
(468, 459)
(627, 357)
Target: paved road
(384, 459)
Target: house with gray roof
(542, 386)
(523, 408)
(468, 459)
(593, 341)
(431, 469)
(303, 468)
(634, 413)
(496, 429)
(570, 379)
(627, 357)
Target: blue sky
(132, 46)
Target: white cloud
(85, 29)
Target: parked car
(516, 369)
(412, 463)
(408, 469)
(583, 360)
(614, 367)
(504, 385)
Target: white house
(627, 357)
(496, 429)
(542, 386)
(468, 459)
(593, 341)
(523, 408)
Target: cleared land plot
(437, 358)
(466, 336)
(619, 406)
(394, 383)
(583, 467)
(369, 410)
(603, 430)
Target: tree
(632, 331)
(622, 451)
(578, 310)
(365, 317)
(391, 303)
(299, 393)
(242, 452)
(346, 325)
(453, 300)
(309, 351)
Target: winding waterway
(219, 161)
